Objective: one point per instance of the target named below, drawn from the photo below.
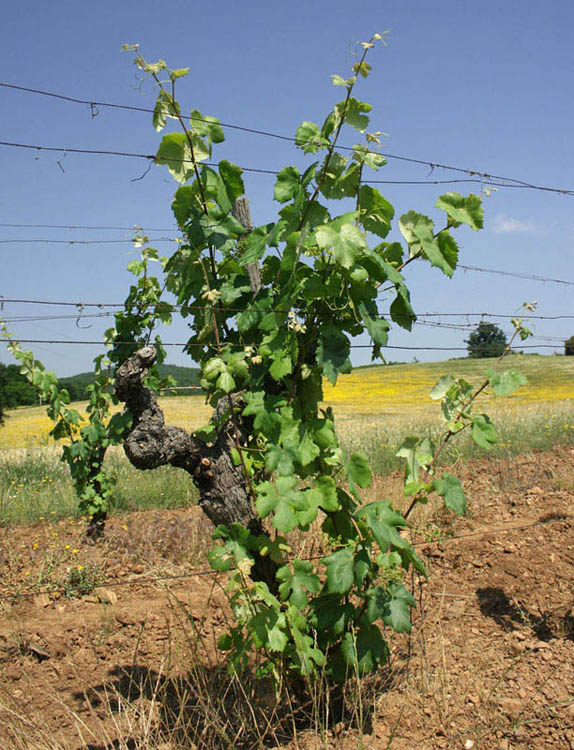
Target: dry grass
(375, 407)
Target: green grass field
(375, 407)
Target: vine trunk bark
(224, 494)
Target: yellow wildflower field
(399, 391)
(29, 426)
(405, 388)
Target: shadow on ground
(511, 615)
(212, 709)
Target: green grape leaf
(400, 603)
(417, 230)
(254, 244)
(207, 434)
(266, 420)
(377, 327)
(282, 365)
(213, 368)
(376, 213)
(449, 250)
(358, 470)
(237, 364)
(340, 81)
(281, 459)
(185, 202)
(165, 107)
(231, 176)
(338, 181)
(504, 383)
(441, 388)
(281, 498)
(269, 626)
(178, 73)
(383, 522)
(345, 244)
(377, 603)
(483, 431)
(329, 613)
(226, 382)
(175, 153)
(362, 567)
(201, 149)
(207, 126)
(308, 449)
(362, 68)
(236, 544)
(450, 488)
(418, 454)
(340, 572)
(287, 184)
(214, 188)
(333, 353)
(327, 488)
(462, 209)
(401, 310)
(309, 514)
(308, 656)
(364, 650)
(353, 112)
(296, 580)
(308, 137)
(371, 158)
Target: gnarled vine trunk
(224, 494)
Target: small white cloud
(503, 224)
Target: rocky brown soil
(113, 645)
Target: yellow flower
(79, 568)
(75, 551)
(67, 546)
(27, 573)
(35, 545)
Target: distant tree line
(15, 390)
(77, 385)
(488, 340)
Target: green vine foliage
(87, 440)
(266, 350)
(321, 275)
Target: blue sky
(485, 86)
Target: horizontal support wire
(174, 308)
(81, 242)
(469, 327)
(134, 228)
(188, 345)
(476, 175)
(483, 179)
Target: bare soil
(133, 663)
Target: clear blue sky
(486, 86)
